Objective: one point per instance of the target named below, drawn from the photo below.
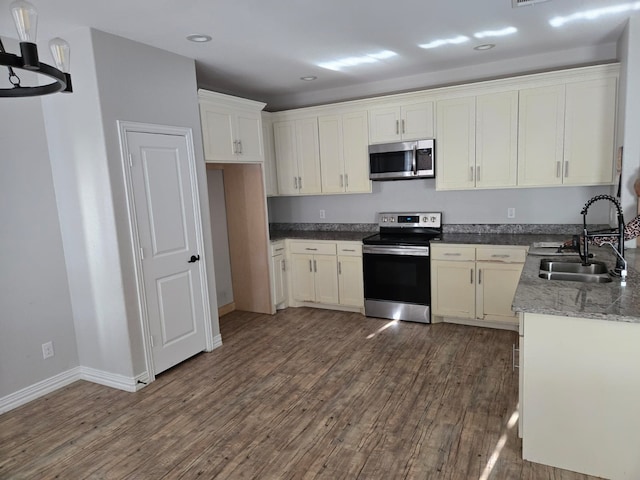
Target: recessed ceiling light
(198, 38)
(486, 46)
(309, 78)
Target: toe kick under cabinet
(474, 284)
(326, 274)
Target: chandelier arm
(61, 83)
(12, 74)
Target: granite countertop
(603, 301)
(333, 235)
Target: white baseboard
(217, 341)
(37, 390)
(44, 387)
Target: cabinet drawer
(313, 248)
(277, 247)
(501, 254)
(452, 252)
(350, 249)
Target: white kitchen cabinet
(344, 155)
(297, 156)
(231, 128)
(412, 121)
(581, 392)
(477, 141)
(476, 282)
(270, 172)
(350, 277)
(589, 140)
(278, 274)
(314, 272)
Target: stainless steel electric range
(397, 266)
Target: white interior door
(165, 208)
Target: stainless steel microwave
(402, 160)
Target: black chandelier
(26, 20)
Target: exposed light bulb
(60, 52)
(25, 17)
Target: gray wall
(217, 207)
(35, 305)
(533, 205)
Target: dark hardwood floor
(302, 394)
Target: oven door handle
(415, 159)
(410, 251)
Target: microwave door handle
(415, 160)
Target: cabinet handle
(279, 249)
(240, 147)
(315, 266)
(348, 250)
(403, 130)
(479, 276)
(471, 276)
(566, 169)
(478, 173)
(341, 181)
(235, 147)
(346, 180)
(471, 174)
(514, 351)
(284, 265)
(311, 249)
(310, 266)
(397, 127)
(495, 255)
(558, 169)
(295, 183)
(300, 183)
(449, 254)
(339, 268)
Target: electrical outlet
(47, 350)
(511, 212)
(323, 214)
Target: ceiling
(261, 48)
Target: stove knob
(433, 219)
(384, 219)
(424, 219)
(393, 219)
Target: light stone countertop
(604, 301)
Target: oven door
(397, 282)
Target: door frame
(125, 127)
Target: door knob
(194, 258)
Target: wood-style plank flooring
(304, 394)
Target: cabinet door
(497, 140)
(217, 133)
(302, 278)
(331, 153)
(270, 171)
(456, 144)
(308, 153)
(278, 279)
(590, 121)
(453, 288)
(326, 278)
(284, 136)
(384, 125)
(417, 121)
(249, 137)
(350, 281)
(541, 136)
(355, 129)
(497, 283)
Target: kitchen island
(580, 370)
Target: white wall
(533, 205)
(114, 79)
(35, 305)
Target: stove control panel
(414, 219)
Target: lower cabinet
(278, 275)
(476, 283)
(326, 274)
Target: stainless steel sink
(574, 271)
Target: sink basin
(574, 271)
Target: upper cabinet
(567, 133)
(477, 141)
(270, 170)
(413, 121)
(231, 128)
(344, 155)
(298, 156)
